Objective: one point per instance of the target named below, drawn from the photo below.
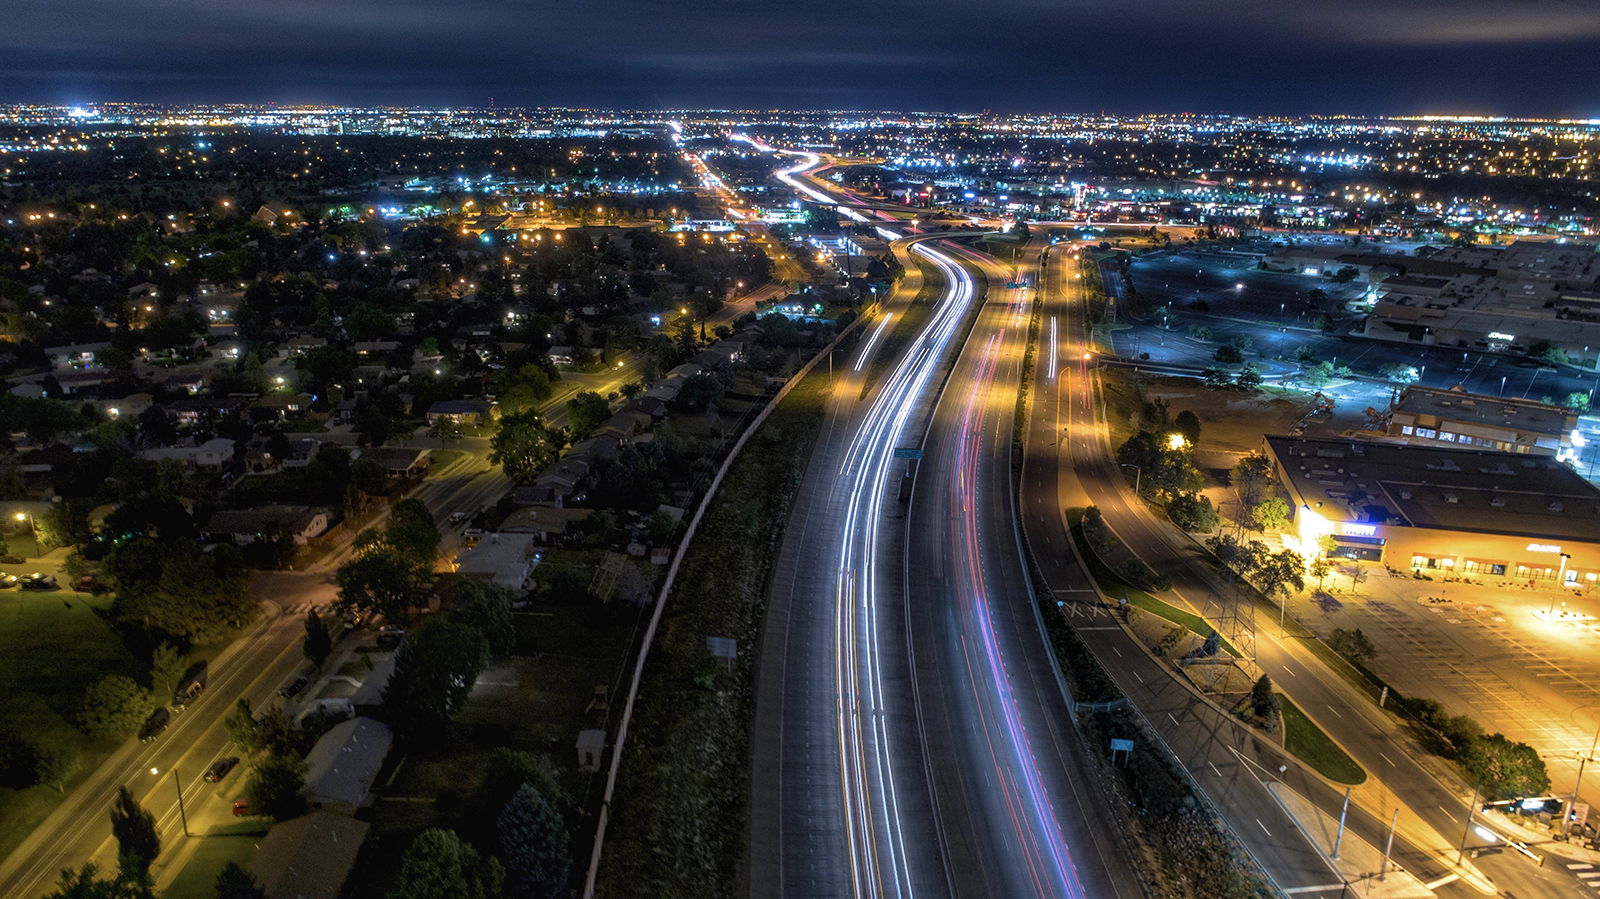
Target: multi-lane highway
(911, 737)
(1018, 804)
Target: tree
(138, 842)
(1504, 769)
(276, 732)
(586, 411)
(167, 665)
(1320, 569)
(1247, 378)
(1318, 375)
(1357, 575)
(234, 882)
(318, 643)
(1399, 373)
(241, 726)
(533, 841)
(274, 787)
(1193, 512)
(1216, 377)
(1353, 645)
(1228, 354)
(523, 445)
(439, 866)
(434, 670)
(381, 580)
(56, 764)
(1188, 424)
(1280, 571)
(411, 530)
(114, 707)
(85, 883)
(1265, 702)
(486, 608)
(1270, 515)
(1577, 401)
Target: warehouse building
(1475, 513)
(1455, 418)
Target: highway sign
(907, 452)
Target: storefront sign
(1544, 547)
(1496, 335)
(1358, 530)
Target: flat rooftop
(1460, 490)
(1513, 414)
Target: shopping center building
(1476, 513)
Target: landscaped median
(1178, 635)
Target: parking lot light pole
(1137, 474)
(182, 815)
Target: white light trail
(878, 863)
(871, 341)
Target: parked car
(391, 636)
(295, 687)
(457, 517)
(241, 807)
(191, 686)
(220, 768)
(155, 724)
(7, 581)
(38, 581)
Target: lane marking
(1174, 720)
(1453, 818)
(1386, 758)
(1335, 712)
(1263, 827)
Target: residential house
(459, 412)
(309, 857)
(79, 355)
(242, 527)
(506, 560)
(212, 454)
(544, 522)
(340, 768)
(396, 461)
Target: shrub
(1193, 513)
(114, 707)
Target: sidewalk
(1359, 863)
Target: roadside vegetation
(679, 812)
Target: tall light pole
(184, 816)
(1137, 474)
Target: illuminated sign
(1496, 335)
(1544, 547)
(1358, 530)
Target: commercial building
(1454, 418)
(1475, 513)
(1528, 297)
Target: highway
(1018, 803)
(1069, 462)
(839, 804)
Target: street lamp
(23, 516)
(184, 816)
(1138, 473)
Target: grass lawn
(198, 879)
(52, 646)
(1309, 744)
(439, 458)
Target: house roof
(309, 857)
(340, 768)
(392, 458)
(458, 407)
(543, 520)
(256, 521)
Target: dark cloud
(1266, 56)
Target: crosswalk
(1586, 874)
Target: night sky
(1507, 57)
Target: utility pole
(1461, 852)
(1342, 812)
(1387, 847)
